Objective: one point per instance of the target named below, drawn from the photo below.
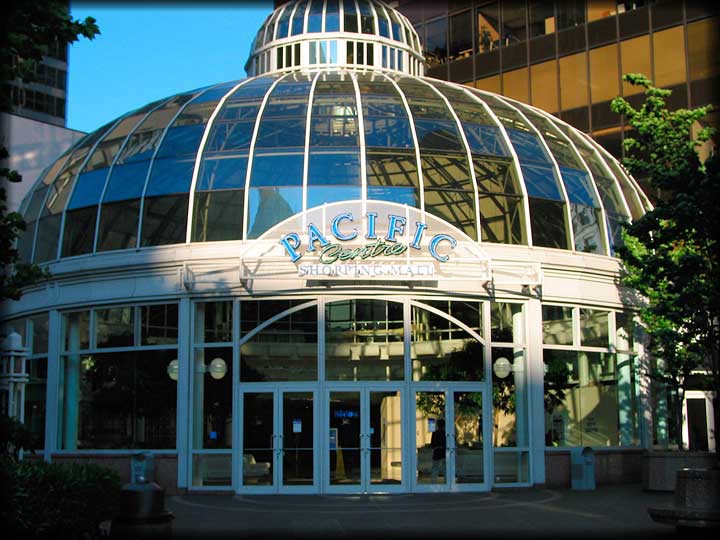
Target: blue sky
(147, 51)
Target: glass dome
(230, 161)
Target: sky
(151, 50)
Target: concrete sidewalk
(608, 512)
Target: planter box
(660, 467)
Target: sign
(333, 439)
(376, 247)
(297, 425)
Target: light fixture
(173, 369)
(502, 367)
(217, 368)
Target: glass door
(278, 442)
(449, 440)
(364, 441)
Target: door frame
(449, 389)
(363, 388)
(278, 390)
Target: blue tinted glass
(528, 146)
(317, 196)
(277, 170)
(281, 133)
(540, 181)
(227, 136)
(268, 206)
(126, 181)
(332, 16)
(400, 195)
(334, 115)
(388, 132)
(282, 27)
(334, 169)
(609, 195)
(298, 18)
(170, 175)
(222, 173)
(437, 134)
(577, 185)
(181, 140)
(384, 27)
(88, 189)
(315, 17)
(215, 94)
(486, 140)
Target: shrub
(57, 500)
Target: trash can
(582, 468)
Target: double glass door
(449, 440)
(278, 441)
(364, 440)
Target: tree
(30, 29)
(670, 255)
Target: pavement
(617, 511)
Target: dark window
(118, 225)
(602, 31)
(460, 35)
(570, 13)
(542, 18)
(47, 238)
(547, 223)
(351, 19)
(367, 22)
(634, 23)
(164, 220)
(79, 232)
(392, 176)
(218, 215)
(436, 42)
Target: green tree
(31, 28)
(670, 255)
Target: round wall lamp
(502, 367)
(217, 368)
(173, 369)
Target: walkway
(608, 512)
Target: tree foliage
(671, 254)
(31, 29)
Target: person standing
(438, 442)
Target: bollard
(142, 513)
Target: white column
(520, 377)
(52, 392)
(626, 419)
(71, 387)
(536, 390)
(183, 393)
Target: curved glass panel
(442, 351)
(367, 21)
(395, 24)
(219, 216)
(298, 19)
(383, 22)
(277, 170)
(334, 160)
(332, 16)
(500, 200)
(364, 340)
(447, 184)
(285, 350)
(284, 22)
(350, 16)
(315, 16)
(481, 131)
(391, 160)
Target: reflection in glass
(364, 340)
(212, 469)
(164, 220)
(213, 322)
(557, 325)
(510, 422)
(212, 400)
(159, 324)
(548, 223)
(258, 438)
(344, 438)
(117, 401)
(35, 397)
(469, 466)
(441, 351)
(218, 215)
(594, 328)
(286, 350)
(393, 177)
(430, 438)
(297, 439)
(118, 225)
(385, 437)
(590, 399)
(114, 327)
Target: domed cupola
(321, 33)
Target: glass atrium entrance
(360, 395)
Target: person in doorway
(438, 443)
